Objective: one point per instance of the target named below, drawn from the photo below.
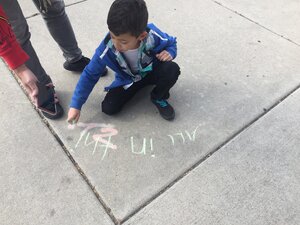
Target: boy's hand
(73, 115)
(164, 56)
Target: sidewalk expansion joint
(262, 26)
(67, 5)
(78, 168)
(205, 157)
(80, 171)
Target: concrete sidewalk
(230, 157)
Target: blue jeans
(58, 25)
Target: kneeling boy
(140, 55)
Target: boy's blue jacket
(106, 55)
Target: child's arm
(86, 83)
(73, 115)
(171, 46)
(166, 45)
(164, 56)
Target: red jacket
(10, 49)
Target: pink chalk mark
(106, 132)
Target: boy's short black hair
(127, 16)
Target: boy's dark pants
(163, 76)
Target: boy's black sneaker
(79, 65)
(164, 108)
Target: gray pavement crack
(81, 172)
(78, 168)
(262, 26)
(67, 5)
(204, 158)
(185, 173)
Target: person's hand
(73, 115)
(164, 56)
(29, 81)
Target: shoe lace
(162, 103)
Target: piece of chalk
(71, 126)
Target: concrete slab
(232, 70)
(279, 16)
(29, 8)
(254, 180)
(38, 183)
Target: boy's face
(127, 41)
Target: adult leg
(21, 30)
(60, 28)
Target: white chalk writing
(191, 136)
(104, 131)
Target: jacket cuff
(172, 52)
(15, 56)
(75, 105)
